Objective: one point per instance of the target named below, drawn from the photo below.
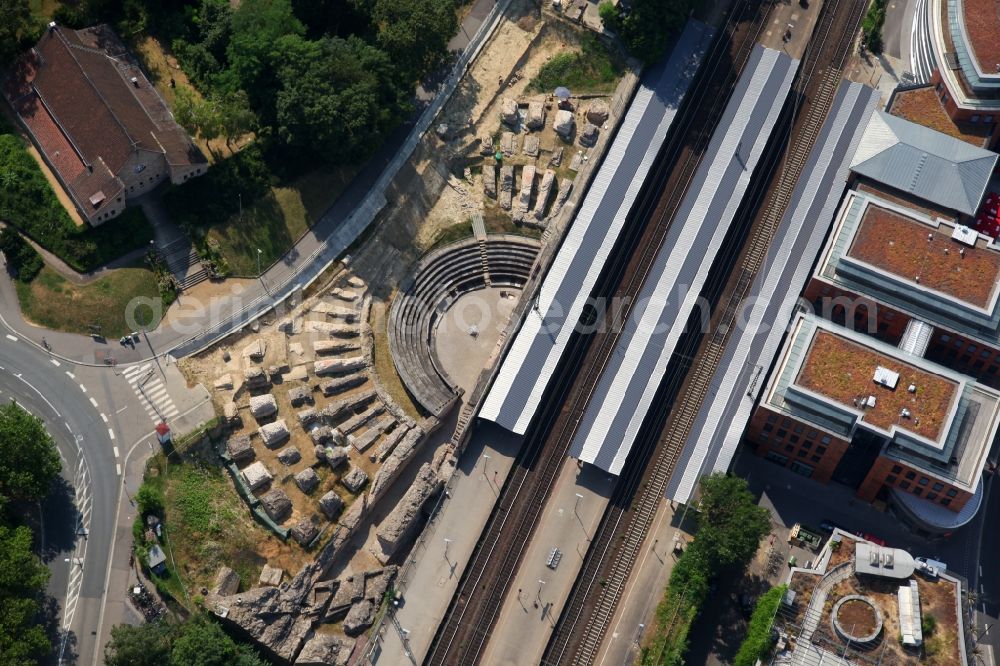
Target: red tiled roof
(982, 24)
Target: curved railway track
(466, 628)
(584, 620)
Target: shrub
(23, 258)
(758, 641)
(928, 623)
(149, 499)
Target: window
(813, 434)
(945, 337)
(807, 444)
(794, 439)
(772, 418)
(768, 427)
(776, 457)
(938, 88)
(918, 491)
(786, 423)
(931, 497)
(904, 485)
(911, 475)
(820, 450)
(987, 119)
(781, 433)
(798, 429)
(924, 481)
(801, 468)
(978, 364)
(992, 369)
(974, 118)
(789, 448)
(891, 480)
(985, 353)
(826, 439)
(815, 458)
(896, 469)
(937, 487)
(803, 453)
(964, 358)
(945, 502)
(958, 343)
(951, 492)
(889, 315)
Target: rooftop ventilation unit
(964, 235)
(886, 377)
(912, 388)
(905, 413)
(135, 81)
(870, 402)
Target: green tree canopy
(736, 524)
(415, 33)
(142, 645)
(22, 579)
(197, 642)
(758, 641)
(29, 461)
(645, 25)
(254, 50)
(15, 25)
(338, 97)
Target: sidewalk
(430, 578)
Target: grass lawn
(384, 366)
(591, 69)
(495, 220)
(275, 221)
(208, 525)
(52, 301)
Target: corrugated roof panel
(626, 388)
(546, 329)
(720, 423)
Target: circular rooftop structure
(856, 618)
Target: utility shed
(910, 629)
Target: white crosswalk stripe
(148, 386)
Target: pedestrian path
(147, 384)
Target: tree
(235, 116)
(758, 641)
(254, 51)
(143, 645)
(415, 33)
(15, 24)
(737, 523)
(645, 25)
(338, 98)
(22, 579)
(29, 461)
(20, 254)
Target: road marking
(111, 433)
(11, 337)
(68, 428)
(83, 388)
(40, 394)
(116, 451)
(54, 362)
(70, 375)
(104, 417)
(122, 409)
(93, 402)
(118, 469)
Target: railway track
(839, 20)
(464, 632)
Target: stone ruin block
(564, 123)
(300, 395)
(231, 414)
(527, 186)
(336, 456)
(240, 449)
(588, 135)
(535, 118)
(544, 193)
(289, 456)
(341, 384)
(405, 516)
(360, 420)
(531, 145)
(304, 532)
(486, 144)
(597, 113)
(337, 366)
(332, 329)
(255, 350)
(324, 650)
(490, 181)
(508, 144)
(255, 377)
(508, 112)
(556, 159)
(321, 434)
(256, 475)
(307, 417)
(223, 383)
(340, 408)
(262, 406)
(335, 311)
(307, 480)
(360, 617)
(354, 480)
(275, 433)
(348, 295)
(270, 576)
(334, 346)
(276, 504)
(565, 187)
(331, 504)
(227, 582)
(385, 449)
(506, 186)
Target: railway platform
(539, 592)
(437, 561)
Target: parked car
(874, 539)
(930, 568)
(829, 526)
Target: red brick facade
(965, 115)
(891, 473)
(795, 445)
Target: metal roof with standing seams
(542, 338)
(742, 371)
(673, 285)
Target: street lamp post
(486, 460)
(578, 498)
(447, 542)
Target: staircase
(184, 263)
(479, 229)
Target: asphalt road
(77, 519)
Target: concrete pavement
(539, 592)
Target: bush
(150, 499)
(928, 623)
(23, 258)
(871, 26)
(758, 641)
(589, 69)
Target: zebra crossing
(147, 384)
